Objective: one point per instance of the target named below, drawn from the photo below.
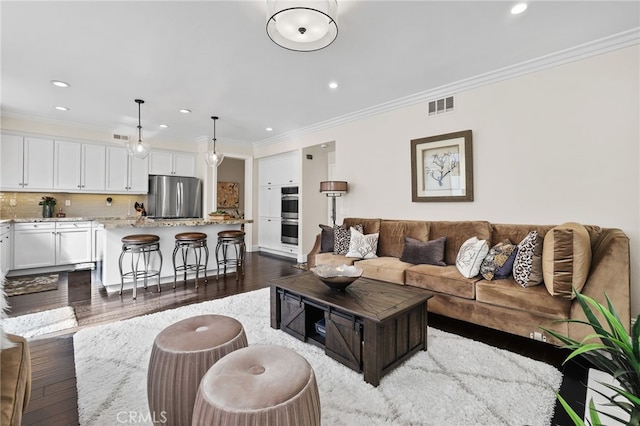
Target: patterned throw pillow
(505, 270)
(527, 268)
(362, 246)
(497, 257)
(342, 237)
(470, 256)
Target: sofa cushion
(424, 252)
(496, 259)
(457, 233)
(393, 232)
(342, 237)
(566, 259)
(390, 269)
(527, 267)
(470, 256)
(443, 279)
(362, 246)
(334, 259)
(369, 226)
(507, 293)
(327, 243)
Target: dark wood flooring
(54, 393)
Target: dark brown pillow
(326, 239)
(424, 252)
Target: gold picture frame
(442, 168)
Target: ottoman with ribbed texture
(181, 354)
(258, 385)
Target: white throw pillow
(362, 246)
(470, 257)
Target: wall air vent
(120, 138)
(440, 106)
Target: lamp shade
(333, 187)
(302, 25)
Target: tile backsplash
(25, 204)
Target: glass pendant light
(213, 158)
(138, 149)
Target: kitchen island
(109, 246)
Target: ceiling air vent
(121, 138)
(440, 106)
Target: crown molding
(576, 53)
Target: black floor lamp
(333, 189)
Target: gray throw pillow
(326, 239)
(424, 252)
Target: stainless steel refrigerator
(174, 197)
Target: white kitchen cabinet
(279, 169)
(172, 163)
(73, 242)
(44, 244)
(97, 252)
(34, 245)
(126, 173)
(269, 233)
(27, 163)
(5, 248)
(79, 167)
(269, 201)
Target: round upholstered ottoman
(181, 354)
(258, 385)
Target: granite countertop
(128, 222)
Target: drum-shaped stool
(226, 239)
(142, 245)
(195, 241)
(258, 385)
(181, 354)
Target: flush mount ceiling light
(213, 158)
(302, 25)
(518, 8)
(61, 108)
(59, 83)
(138, 149)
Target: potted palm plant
(612, 350)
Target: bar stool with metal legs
(190, 240)
(141, 245)
(230, 238)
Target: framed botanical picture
(442, 168)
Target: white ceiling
(215, 58)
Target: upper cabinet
(278, 170)
(125, 173)
(27, 163)
(172, 163)
(79, 167)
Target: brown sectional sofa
(499, 304)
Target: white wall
(557, 145)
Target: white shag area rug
(457, 381)
(37, 324)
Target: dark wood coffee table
(371, 327)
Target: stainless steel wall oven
(289, 215)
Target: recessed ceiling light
(269, 129)
(164, 126)
(61, 108)
(59, 83)
(518, 8)
(185, 111)
(333, 85)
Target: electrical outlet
(12, 202)
(67, 203)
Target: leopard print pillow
(527, 268)
(342, 238)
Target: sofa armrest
(15, 380)
(311, 257)
(610, 274)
